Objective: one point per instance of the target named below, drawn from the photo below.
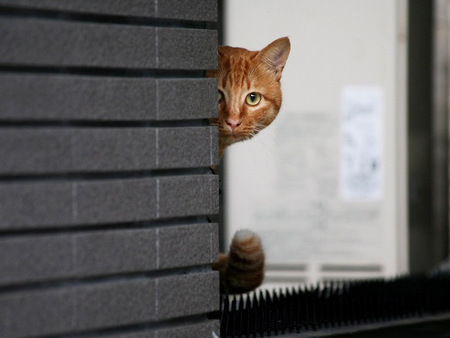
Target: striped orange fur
(249, 98)
(242, 73)
(242, 270)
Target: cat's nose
(233, 123)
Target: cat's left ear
(275, 55)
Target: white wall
(286, 183)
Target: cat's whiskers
(258, 128)
(214, 122)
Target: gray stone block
(68, 97)
(187, 48)
(186, 245)
(115, 201)
(34, 151)
(49, 257)
(133, 334)
(115, 251)
(186, 295)
(111, 304)
(197, 330)
(34, 204)
(50, 204)
(36, 313)
(186, 147)
(201, 10)
(194, 330)
(35, 258)
(56, 150)
(104, 149)
(141, 8)
(188, 195)
(214, 242)
(55, 97)
(56, 43)
(215, 147)
(75, 308)
(59, 43)
(187, 99)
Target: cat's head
(249, 95)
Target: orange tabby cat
(249, 100)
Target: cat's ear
(275, 55)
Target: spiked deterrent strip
(333, 305)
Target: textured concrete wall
(105, 187)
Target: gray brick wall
(105, 187)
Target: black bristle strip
(334, 305)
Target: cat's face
(249, 93)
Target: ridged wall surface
(105, 186)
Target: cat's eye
(253, 99)
(219, 96)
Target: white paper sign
(361, 174)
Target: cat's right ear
(275, 55)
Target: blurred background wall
(347, 182)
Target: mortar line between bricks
(157, 249)
(68, 16)
(86, 228)
(105, 71)
(156, 47)
(74, 243)
(102, 176)
(157, 147)
(156, 298)
(74, 203)
(74, 311)
(158, 204)
(73, 282)
(66, 124)
(171, 323)
(157, 99)
(211, 160)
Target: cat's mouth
(232, 133)
(232, 137)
